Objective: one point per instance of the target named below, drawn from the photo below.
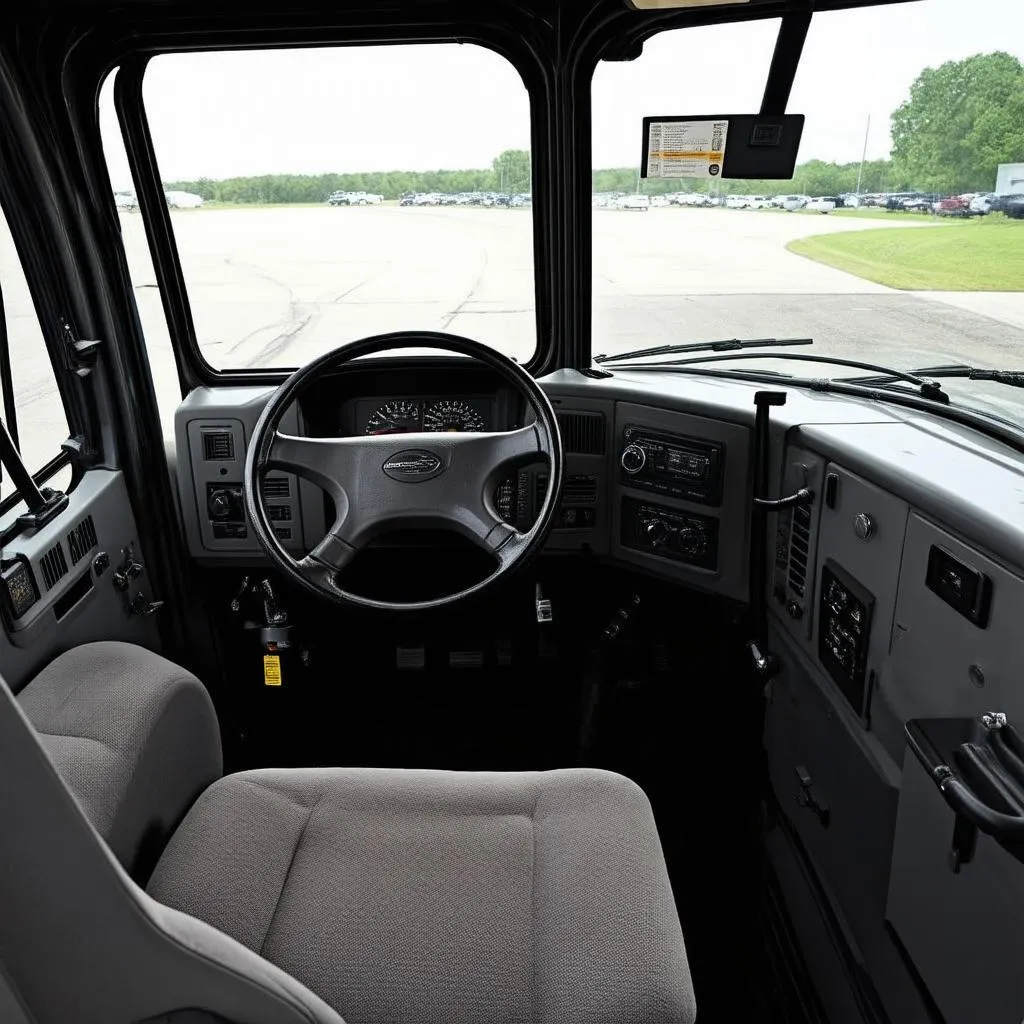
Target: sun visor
(721, 146)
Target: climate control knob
(656, 532)
(633, 459)
(692, 541)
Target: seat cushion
(133, 736)
(456, 898)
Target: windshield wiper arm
(1012, 378)
(926, 388)
(726, 345)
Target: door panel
(71, 565)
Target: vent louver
(218, 445)
(799, 547)
(81, 540)
(277, 487)
(582, 432)
(53, 565)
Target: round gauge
(452, 414)
(398, 416)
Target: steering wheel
(395, 481)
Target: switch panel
(964, 589)
(844, 629)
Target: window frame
(63, 454)
(193, 368)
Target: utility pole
(863, 154)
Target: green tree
(962, 119)
(512, 171)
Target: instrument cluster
(443, 414)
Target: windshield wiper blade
(926, 388)
(1012, 378)
(725, 345)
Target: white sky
(447, 106)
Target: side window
(32, 407)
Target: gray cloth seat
(406, 897)
(134, 737)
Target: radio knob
(633, 458)
(656, 532)
(220, 504)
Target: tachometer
(452, 414)
(399, 416)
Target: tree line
(959, 122)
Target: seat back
(79, 941)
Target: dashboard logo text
(413, 465)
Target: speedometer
(399, 416)
(452, 414)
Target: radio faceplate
(688, 468)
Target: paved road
(274, 287)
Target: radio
(670, 533)
(678, 467)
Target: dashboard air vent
(277, 487)
(81, 540)
(54, 566)
(579, 490)
(218, 445)
(582, 432)
(799, 547)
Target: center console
(683, 486)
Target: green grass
(966, 256)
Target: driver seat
(395, 896)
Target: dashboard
(896, 594)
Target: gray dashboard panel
(235, 411)
(934, 647)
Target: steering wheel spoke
(328, 462)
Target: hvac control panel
(677, 467)
(670, 533)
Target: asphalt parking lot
(276, 286)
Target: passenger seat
(134, 737)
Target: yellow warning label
(271, 670)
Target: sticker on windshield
(685, 149)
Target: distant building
(1009, 179)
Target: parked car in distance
(822, 204)
(183, 200)
(126, 200)
(1014, 207)
(952, 206)
(1001, 204)
(641, 203)
(982, 202)
(792, 203)
(354, 199)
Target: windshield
(895, 242)
(318, 196)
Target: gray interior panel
(963, 931)
(943, 665)
(78, 600)
(213, 427)
(591, 469)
